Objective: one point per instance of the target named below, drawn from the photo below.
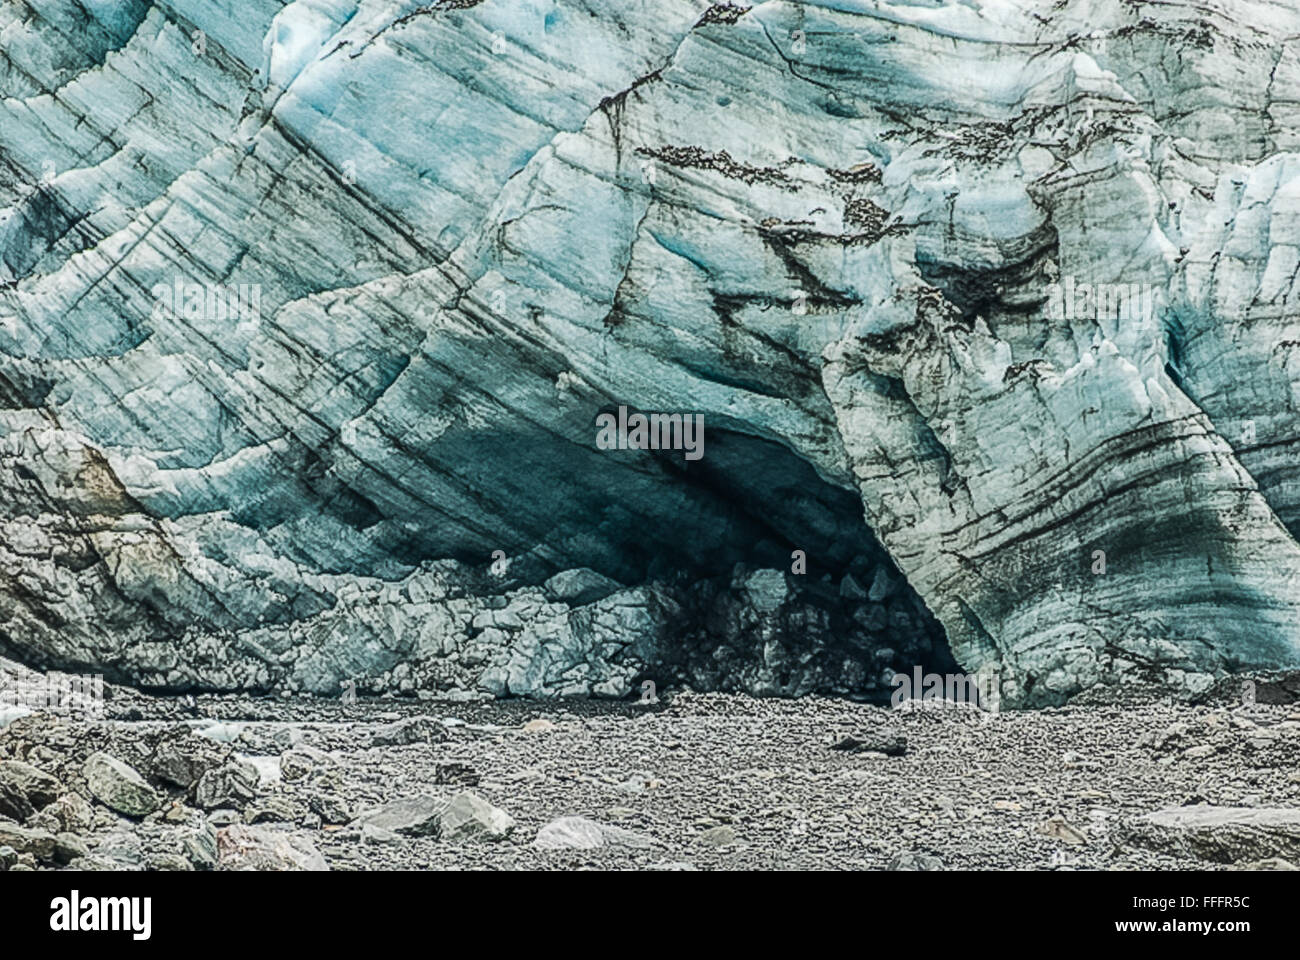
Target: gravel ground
(698, 780)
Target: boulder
(418, 816)
(24, 789)
(580, 833)
(182, 758)
(469, 817)
(119, 786)
(1219, 834)
(233, 784)
(581, 586)
(241, 847)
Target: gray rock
(199, 846)
(68, 847)
(24, 789)
(579, 833)
(44, 821)
(1220, 834)
(241, 847)
(225, 817)
(330, 806)
(455, 773)
(766, 590)
(38, 843)
(581, 586)
(274, 809)
(469, 817)
(373, 835)
(72, 813)
(119, 787)
(181, 759)
(1058, 828)
(419, 816)
(296, 764)
(883, 586)
(233, 784)
(850, 589)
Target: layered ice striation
(307, 313)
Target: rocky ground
(691, 781)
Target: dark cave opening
(769, 580)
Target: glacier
(831, 229)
